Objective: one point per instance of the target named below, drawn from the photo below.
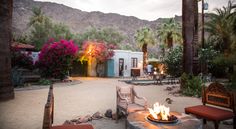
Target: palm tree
(221, 27)
(38, 16)
(6, 87)
(188, 8)
(143, 37)
(169, 32)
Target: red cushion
(80, 126)
(210, 113)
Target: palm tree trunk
(195, 40)
(170, 42)
(188, 34)
(6, 87)
(145, 55)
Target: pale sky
(142, 9)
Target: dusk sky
(143, 9)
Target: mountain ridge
(79, 21)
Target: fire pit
(140, 120)
(161, 114)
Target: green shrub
(232, 84)
(173, 61)
(220, 66)
(44, 82)
(191, 85)
(16, 77)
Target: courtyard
(84, 98)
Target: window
(134, 62)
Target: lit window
(134, 62)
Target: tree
(188, 34)
(169, 32)
(99, 51)
(145, 37)
(41, 33)
(107, 35)
(221, 27)
(38, 16)
(61, 31)
(44, 29)
(6, 87)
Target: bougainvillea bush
(55, 58)
(100, 51)
(20, 59)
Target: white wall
(127, 55)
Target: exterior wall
(127, 55)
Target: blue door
(110, 68)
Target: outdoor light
(205, 6)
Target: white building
(123, 61)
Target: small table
(138, 120)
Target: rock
(169, 101)
(108, 113)
(67, 122)
(228, 122)
(169, 88)
(85, 119)
(97, 116)
(114, 116)
(74, 120)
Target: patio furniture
(135, 72)
(215, 94)
(126, 103)
(48, 115)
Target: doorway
(121, 66)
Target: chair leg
(216, 124)
(204, 121)
(126, 124)
(234, 122)
(117, 114)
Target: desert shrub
(207, 55)
(44, 81)
(232, 84)
(16, 77)
(221, 65)
(173, 61)
(21, 60)
(191, 85)
(55, 58)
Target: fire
(162, 72)
(90, 50)
(160, 112)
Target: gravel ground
(84, 98)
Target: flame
(159, 110)
(89, 49)
(162, 72)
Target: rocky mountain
(77, 20)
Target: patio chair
(48, 116)
(126, 103)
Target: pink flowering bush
(21, 60)
(55, 58)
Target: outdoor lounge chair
(48, 115)
(126, 101)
